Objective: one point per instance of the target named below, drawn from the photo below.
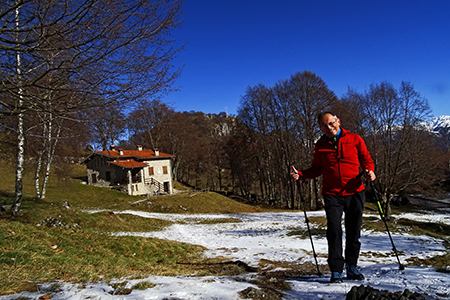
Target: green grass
(47, 241)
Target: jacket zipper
(339, 167)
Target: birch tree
(98, 52)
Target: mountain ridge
(437, 124)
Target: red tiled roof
(143, 154)
(129, 164)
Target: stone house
(136, 172)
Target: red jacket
(340, 167)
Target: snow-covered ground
(264, 236)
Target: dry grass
(47, 241)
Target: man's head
(329, 123)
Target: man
(341, 157)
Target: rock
(121, 291)
(54, 222)
(257, 294)
(66, 205)
(367, 292)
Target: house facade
(136, 172)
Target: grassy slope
(81, 249)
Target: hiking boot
(353, 273)
(336, 277)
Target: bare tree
(103, 52)
(352, 112)
(144, 123)
(240, 149)
(395, 138)
(256, 113)
(284, 120)
(107, 124)
(308, 95)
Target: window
(150, 171)
(165, 170)
(94, 178)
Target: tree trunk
(15, 208)
(50, 156)
(37, 175)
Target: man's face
(330, 125)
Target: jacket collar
(340, 134)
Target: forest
(62, 98)
(250, 155)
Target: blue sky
(233, 44)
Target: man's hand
(370, 175)
(295, 174)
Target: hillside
(57, 238)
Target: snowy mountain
(438, 124)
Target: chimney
(139, 147)
(156, 151)
(120, 151)
(112, 148)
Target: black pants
(353, 207)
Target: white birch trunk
(15, 208)
(50, 156)
(37, 174)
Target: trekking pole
(380, 210)
(307, 225)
